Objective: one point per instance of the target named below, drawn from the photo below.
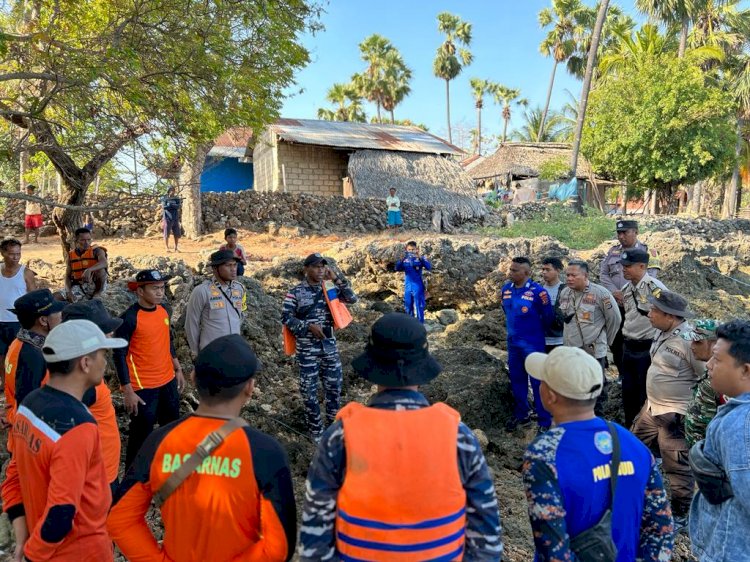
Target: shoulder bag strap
(231, 304)
(615, 462)
(203, 450)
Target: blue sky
(505, 45)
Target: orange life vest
(341, 317)
(80, 263)
(11, 366)
(402, 498)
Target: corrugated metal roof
(342, 134)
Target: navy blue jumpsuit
(414, 294)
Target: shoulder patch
(603, 442)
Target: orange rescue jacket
(78, 264)
(402, 498)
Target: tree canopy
(660, 125)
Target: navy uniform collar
(391, 398)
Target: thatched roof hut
(422, 179)
(524, 159)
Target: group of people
(398, 478)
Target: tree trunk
(683, 37)
(654, 203)
(729, 208)
(377, 105)
(190, 190)
(590, 63)
(393, 117)
(448, 109)
(479, 131)
(72, 192)
(505, 128)
(546, 104)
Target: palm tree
(451, 57)
(616, 24)
(396, 77)
(506, 97)
(551, 129)
(370, 83)
(348, 102)
(671, 12)
(568, 118)
(600, 17)
(478, 89)
(564, 16)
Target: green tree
(451, 57)
(659, 126)
(85, 79)
(348, 104)
(507, 97)
(565, 16)
(672, 12)
(551, 131)
(479, 88)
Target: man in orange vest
(86, 272)
(399, 479)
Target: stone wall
(125, 215)
(322, 214)
(311, 169)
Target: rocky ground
(707, 262)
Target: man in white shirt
(394, 210)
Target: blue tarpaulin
(564, 191)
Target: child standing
(230, 235)
(32, 216)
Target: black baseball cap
(93, 311)
(146, 277)
(39, 303)
(314, 259)
(225, 362)
(629, 257)
(626, 225)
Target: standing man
(720, 515)
(637, 331)
(86, 271)
(420, 488)
(568, 471)
(413, 264)
(551, 268)
(216, 307)
(32, 220)
(150, 374)
(172, 217)
(591, 317)
(394, 210)
(15, 281)
(611, 273)
(244, 489)
(307, 315)
(528, 312)
(56, 492)
(705, 402)
(25, 369)
(670, 379)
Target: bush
(579, 232)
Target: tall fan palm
(507, 97)
(564, 16)
(451, 57)
(478, 89)
(370, 83)
(396, 79)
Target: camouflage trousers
(319, 360)
(701, 410)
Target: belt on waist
(637, 344)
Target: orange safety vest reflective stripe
(78, 264)
(402, 498)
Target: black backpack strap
(615, 462)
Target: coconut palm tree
(551, 130)
(507, 97)
(348, 104)
(672, 12)
(396, 77)
(451, 57)
(616, 23)
(564, 16)
(479, 87)
(370, 83)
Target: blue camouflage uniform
(414, 294)
(528, 311)
(328, 468)
(316, 358)
(566, 474)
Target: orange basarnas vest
(11, 366)
(80, 263)
(402, 498)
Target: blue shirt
(578, 454)
(412, 267)
(528, 311)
